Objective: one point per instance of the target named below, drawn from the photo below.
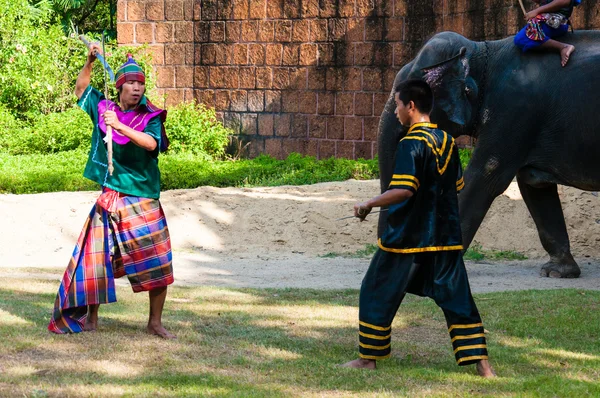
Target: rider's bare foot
(484, 369)
(160, 331)
(91, 321)
(565, 54)
(361, 363)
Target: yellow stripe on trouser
(469, 347)
(380, 328)
(374, 357)
(374, 347)
(375, 337)
(473, 358)
(473, 325)
(467, 337)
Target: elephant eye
(468, 90)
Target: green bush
(193, 128)
(9, 126)
(56, 132)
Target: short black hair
(417, 91)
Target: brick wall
(308, 76)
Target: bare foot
(160, 331)
(361, 363)
(484, 369)
(90, 326)
(565, 53)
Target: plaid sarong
(133, 240)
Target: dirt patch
(274, 237)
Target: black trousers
(439, 275)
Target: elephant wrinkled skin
(533, 119)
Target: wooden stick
(522, 7)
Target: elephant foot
(565, 268)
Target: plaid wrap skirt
(132, 239)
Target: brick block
(310, 8)
(300, 30)
(224, 54)
(256, 101)
(209, 10)
(344, 150)
(201, 32)
(223, 77)
(316, 78)
(371, 128)
(363, 104)
(291, 146)
(264, 78)
(310, 147)
(326, 149)
(206, 97)
(372, 79)
(239, 100)
(217, 31)
(317, 126)
(209, 54)
(225, 10)
(240, 9)
(335, 128)
(334, 79)
(328, 8)
(365, 8)
(174, 54)
(184, 32)
(281, 78)
(265, 124)
(325, 103)
(291, 9)
(325, 54)
(249, 31)
(125, 33)
(275, 9)
(291, 53)
(282, 125)
(233, 31)
(355, 30)
(165, 76)
(363, 150)
(344, 104)
(136, 11)
(273, 147)
(373, 54)
(308, 54)
(256, 54)
(165, 32)
(298, 78)
(157, 52)
(232, 121)
(394, 29)
(401, 7)
(336, 29)
(174, 10)
(299, 126)
(121, 11)
(155, 11)
(318, 30)
(307, 102)
(188, 10)
(274, 54)
(289, 101)
(352, 79)
(222, 100)
(201, 77)
(258, 9)
(256, 148)
(249, 124)
(379, 101)
(247, 76)
(144, 33)
(273, 101)
(173, 97)
(353, 128)
(374, 29)
(266, 31)
(346, 8)
(283, 31)
(184, 76)
(240, 54)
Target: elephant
(532, 118)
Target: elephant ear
(448, 81)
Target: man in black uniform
(420, 251)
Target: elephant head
(444, 63)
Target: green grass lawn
(283, 343)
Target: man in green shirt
(126, 232)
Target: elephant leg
(544, 206)
(484, 181)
